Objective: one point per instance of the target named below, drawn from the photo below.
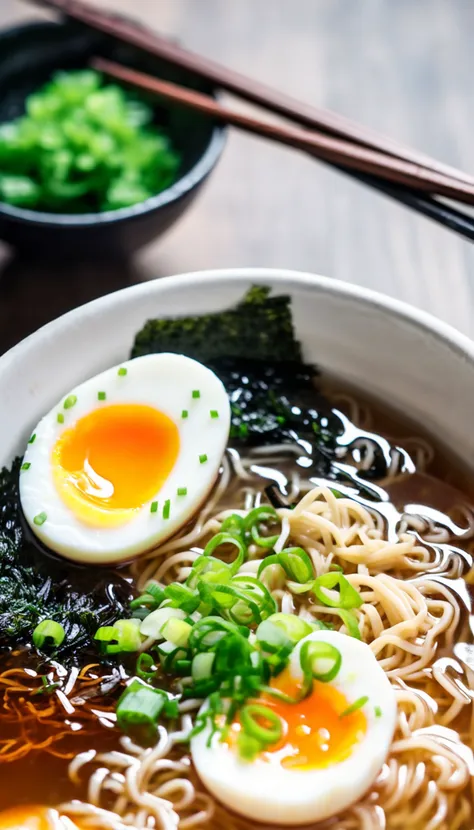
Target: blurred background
(404, 67)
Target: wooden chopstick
(327, 148)
(131, 32)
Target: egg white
(165, 382)
(267, 792)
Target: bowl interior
(408, 360)
(31, 54)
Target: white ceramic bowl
(403, 356)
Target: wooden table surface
(404, 67)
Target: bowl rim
(178, 190)
(457, 342)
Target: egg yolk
(113, 460)
(314, 734)
(32, 817)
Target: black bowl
(29, 56)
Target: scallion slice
(354, 707)
(48, 634)
(319, 660)
(347, 597)
(40, 518)
(295, 562)
(139, 709)
(70, 401)
(268, 732)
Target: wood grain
(403, 68)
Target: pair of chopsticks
(402, 173)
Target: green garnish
(214, 413)
(122, 636)
(84, 145)
(122, 372)
(139, 709)
(32, 439)
(70, 401)
(166, 509)
(358, 704)
(261, 726)
(295, 562)
(196, 393)
(184, 413)
(203, 458)
(48, 634)
(153, 507)
(26, 465)
(378, 711)
(60, 418)
(40, 518)
(101, 396)
(182, 491)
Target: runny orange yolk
(314, 733)
(32, 817)
(114, 460)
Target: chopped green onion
(70, 401)
(227, 539)
(358, 704)
(347, 598)
(350, 621)
(32, 439)
(294, 627)
(151, 598)
(40, 518)
(26, 465)
(123, 636)
(139, 709)
(184, 413)
(202, 665)
(107, 638)
(101, 396)
(122, 372)
(295, 562)
(129, 634)
(203, 458)
(145, 668)
(234, 524)
(176, 631)
(264, 513)
(48, 634)
(251, 717)
(166, 509)
(182, 491)
(181, 596)
(153, 507)
(214, 413)
(60, 418)
(312, 654)
(151, 626)
(378, 711)
(196, 393)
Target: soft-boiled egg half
(328, 756)
(125, 459)
(34, 817)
